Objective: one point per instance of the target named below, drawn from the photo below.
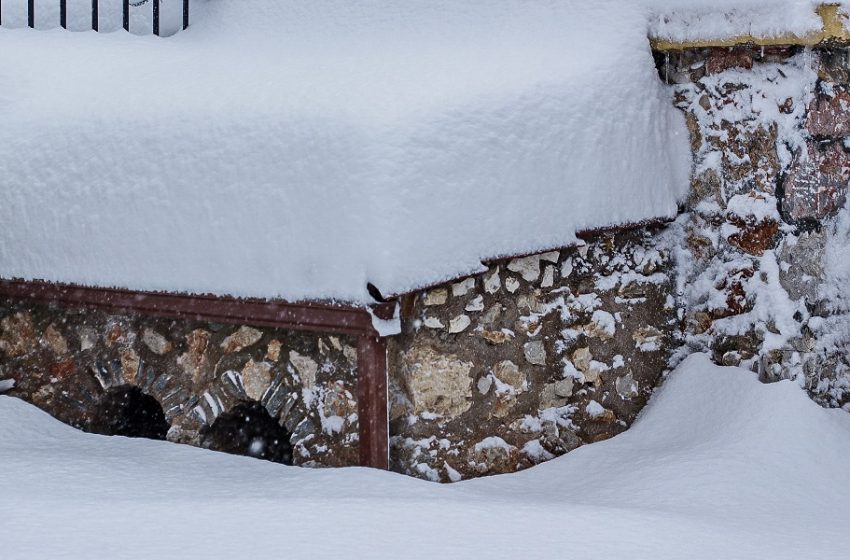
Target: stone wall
(82, 366)
(537, 355)
(531, 359)
(761, 276)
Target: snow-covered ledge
(687, 29)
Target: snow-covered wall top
(302, 149)
(684, 21)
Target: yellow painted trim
(833, 30)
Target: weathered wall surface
(762, 276)
(73, 363)
(532, 358)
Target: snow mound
(718, 466)
(302, 149)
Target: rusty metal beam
(316, 317)
(372, 402)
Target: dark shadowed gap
(127, 411)
(248, 429)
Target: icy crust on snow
(717, 466)
(695, 20)
(301, 150)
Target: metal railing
(95, 13)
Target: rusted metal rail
(315, 317)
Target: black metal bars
(156, 17)
(95, 14)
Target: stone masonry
(69, 362)
(760, 277)
(531, 359)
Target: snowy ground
(719, 466)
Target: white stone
(602, 325)
(242, 338)
(626, 386)
(484, 384)
(548, 277)
(511, 284)
(492, 314)
(582, 250)
(273, 350)
(463, 287)
(459, 324)
(582, 358)
(157, 343)
(436, 297)
(306, 367)
(130, 365)
(535, 352)
(433, 323)
(436, 382)
(54, 340)
(564, 388)
(594, 370)
(551, 256)
(88, 338)
(567, 268)
(527, 267)
(648, 339)
(594, 409)
(256, 378)
(493, 282)
(350, 353)
(509, 373)
(475, 305)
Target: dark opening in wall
(248, 429)
(127, 411)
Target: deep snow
(718, 466)
(303, 149)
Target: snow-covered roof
(302, 149)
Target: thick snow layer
(718, 466)
(694, 20)
(303, 149)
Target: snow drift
(718, 466)
(303, 149)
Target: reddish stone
(62, 369)
(816, 188)
(736, 295)
(724, 59)
(829, 117)
(754, 237)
